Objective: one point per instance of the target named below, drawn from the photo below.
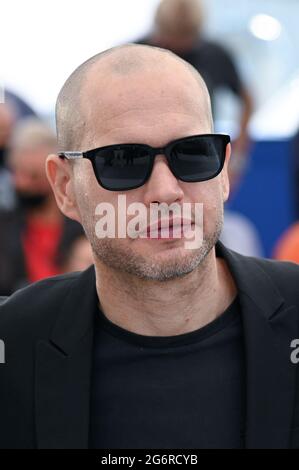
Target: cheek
(83, 190)
(209, 194)
(93, 200)
(86, 187)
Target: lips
(169, 228)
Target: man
(157, 345)
(31, 234)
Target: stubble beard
(119, 257)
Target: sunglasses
(123, 167)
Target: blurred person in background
(21, 108)
(30, 235)
(7, 120)
(12, 110)
(287, 246)
(239, 232)
(178, 26)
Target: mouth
(169, 229)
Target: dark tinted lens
(199, 158)
(123, 167)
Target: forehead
(126, 106)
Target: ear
(60, 175)
(224, 174)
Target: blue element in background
(266, 194)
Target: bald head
(139, 95)
(85, 88)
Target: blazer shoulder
(39, 299)
(2, 299)
(284, 274)
(279, 269)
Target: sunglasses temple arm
(71, 155)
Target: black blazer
(48, 330)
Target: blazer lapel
(271, 377)
(269, 327)
(63, 370)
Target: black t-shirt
(179, 392)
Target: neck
(166, 308)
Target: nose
(162, 186)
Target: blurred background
(247, 50)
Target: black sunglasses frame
(152, 152)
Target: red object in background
(287, 248)
(40, 244)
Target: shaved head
(142, 95)
(74, 103)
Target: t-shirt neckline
(222, 321)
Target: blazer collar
(63, 370)
(252, 281)
(77, 312)
(269, 326)
(63, 364)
